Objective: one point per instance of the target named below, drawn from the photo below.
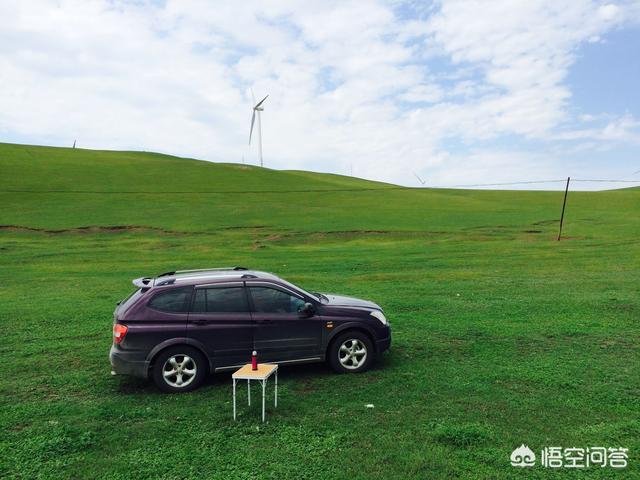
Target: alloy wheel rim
(179, 370)
(352, 354)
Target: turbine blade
(253, 119)
(260, 102)
(253, 97)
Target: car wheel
(179, 369)
(351, 352)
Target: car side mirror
(307, 310)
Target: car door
(281, 332)
(220, 319)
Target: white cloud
(350, 82)
(609, 12)
(615, 128)
(524, 50)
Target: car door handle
(263, 321)
(199, 321)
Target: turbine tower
(257, 108)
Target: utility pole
(564, 203)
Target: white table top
(262, 373)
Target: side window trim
(275, 286)
(220, 284)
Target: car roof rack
(223, 269)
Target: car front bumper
(127, 363)
(384, 344)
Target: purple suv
(179, 326)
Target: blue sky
(456, 91)
(606, 74)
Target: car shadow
(127, 385)
(300, 373)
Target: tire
(189, 365)
(351, 352)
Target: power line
(607, 181)
(529, 182)
(505, 183)
(212, 192)
(318, 190)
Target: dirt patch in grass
(489, 227)
(621, 343)
(572, 238)
(462, 436)
(245, 227)
(19, 427)
(93, 229)
(347, 235)
(306, 387)
(260, 243)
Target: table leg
(264, 382)
(249, 391)
(275, 402)
(234, 399)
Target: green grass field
(501, 334)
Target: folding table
(262, 374)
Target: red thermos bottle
(254, 360)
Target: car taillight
(119, 331)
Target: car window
(174, 300)
(220, 300)
(270, 300)
(130, 300)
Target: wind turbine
(419, 179)
(257, 108)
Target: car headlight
(380, 316)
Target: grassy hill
(502, 335)
(55, 188)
